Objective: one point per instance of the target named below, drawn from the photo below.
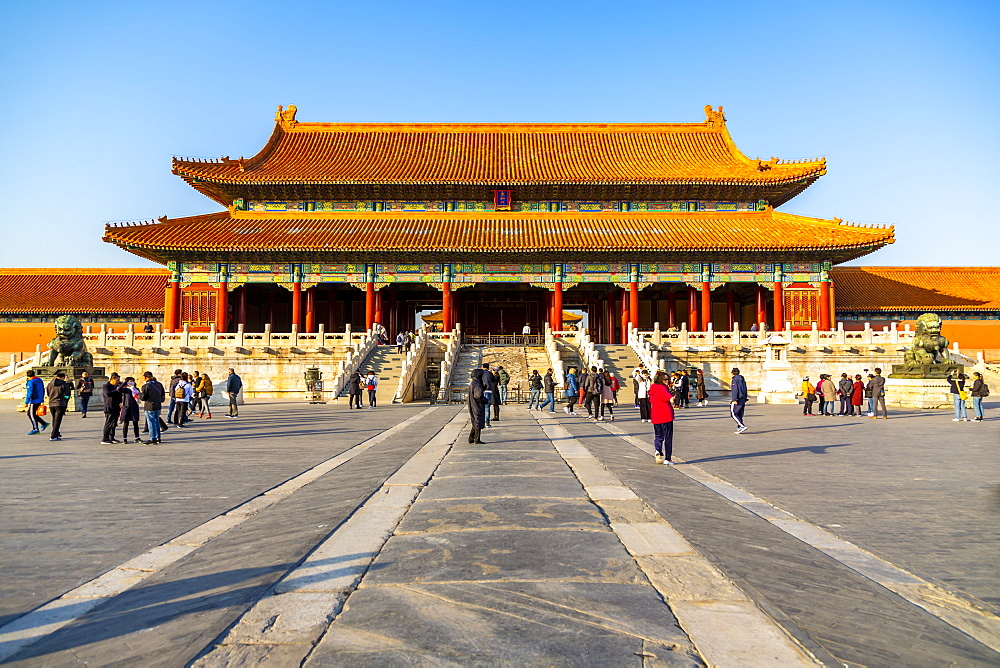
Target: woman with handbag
(958, 396)
(980, 390)
(857, 396)
(809, 395)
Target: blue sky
(901, 97)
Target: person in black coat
(112, 395)
(354, 390)
(130, 408)
(477, 405)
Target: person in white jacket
(371, 384)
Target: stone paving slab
(500, 555)
(535, 469)
(428, 516)
(500, 485)
(468, 624)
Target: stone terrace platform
(315, 535)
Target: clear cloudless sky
(902, 98)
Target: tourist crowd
(127, 402)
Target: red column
(761, 306)
(692, 309)
(241, 307)
(557, 306)
(779, 307)
(706, 305)
(311, 309)
(222, 307)
(671, 309)
(297, 305)
(369, 305)
(624, 317)
(833, 306)
(633, 303)
(731, 308)
(378, 307)
(171, 306)
(824, 305)
(447, 324)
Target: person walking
(58, 393)
(34, 398)
(85, 390)
(868, 396)
(400, 342)
(980, 390)
(174, 379)
(845, 388)
(152, 396)
(183, 392)
(685, 389)
(878, 394)
(608, 398)
(808, 396)
(354, 390)
(234, 384)
(702, 390)
(738, 401)
(594, 385)
(194, 408)
(477, 406)
(572, 389)
(636, 378)
(958, 395)
(549, 387)
(206, 390)
(826, 391)
(642, 396)
(111, 394)
(495, 400)
(661, 411)
(857, 395)
(534, 389)
(129, 411)
(504, 382)
(371, 384)
(489, 389)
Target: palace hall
(498, 226)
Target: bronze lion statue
(928, 346)
(68, 347)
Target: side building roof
(500, 155)
(917, 289)
(82, 291)
(254, 233)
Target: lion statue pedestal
(921, 381)
(68, 353)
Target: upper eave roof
(502, 154)
(244, 232)
(917, 288)
(59, 291)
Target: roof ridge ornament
(715, 119)
(286, 117)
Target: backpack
(179, 392)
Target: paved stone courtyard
(316, 535)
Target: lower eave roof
(497, 232)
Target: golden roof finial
(715, 119)
(286, 117)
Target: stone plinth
(918, 393)
(73, 374)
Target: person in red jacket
(662, 414)
(857, 396)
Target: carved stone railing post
(239, 335)
(294, 339)
(102, 340)
(841, 334)
(657, 334)
(814, 334)
(213, 337)
(737, 335)
(893, 333)
(158, 336)
(130, 335)
(683, 339)
(710, 335)
(868, 333)
(321, 335)
(186, 336)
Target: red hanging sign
(501, 200)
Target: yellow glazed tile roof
(917, 288)
(59, 291)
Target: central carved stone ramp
(504, 559)
(620, 360)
